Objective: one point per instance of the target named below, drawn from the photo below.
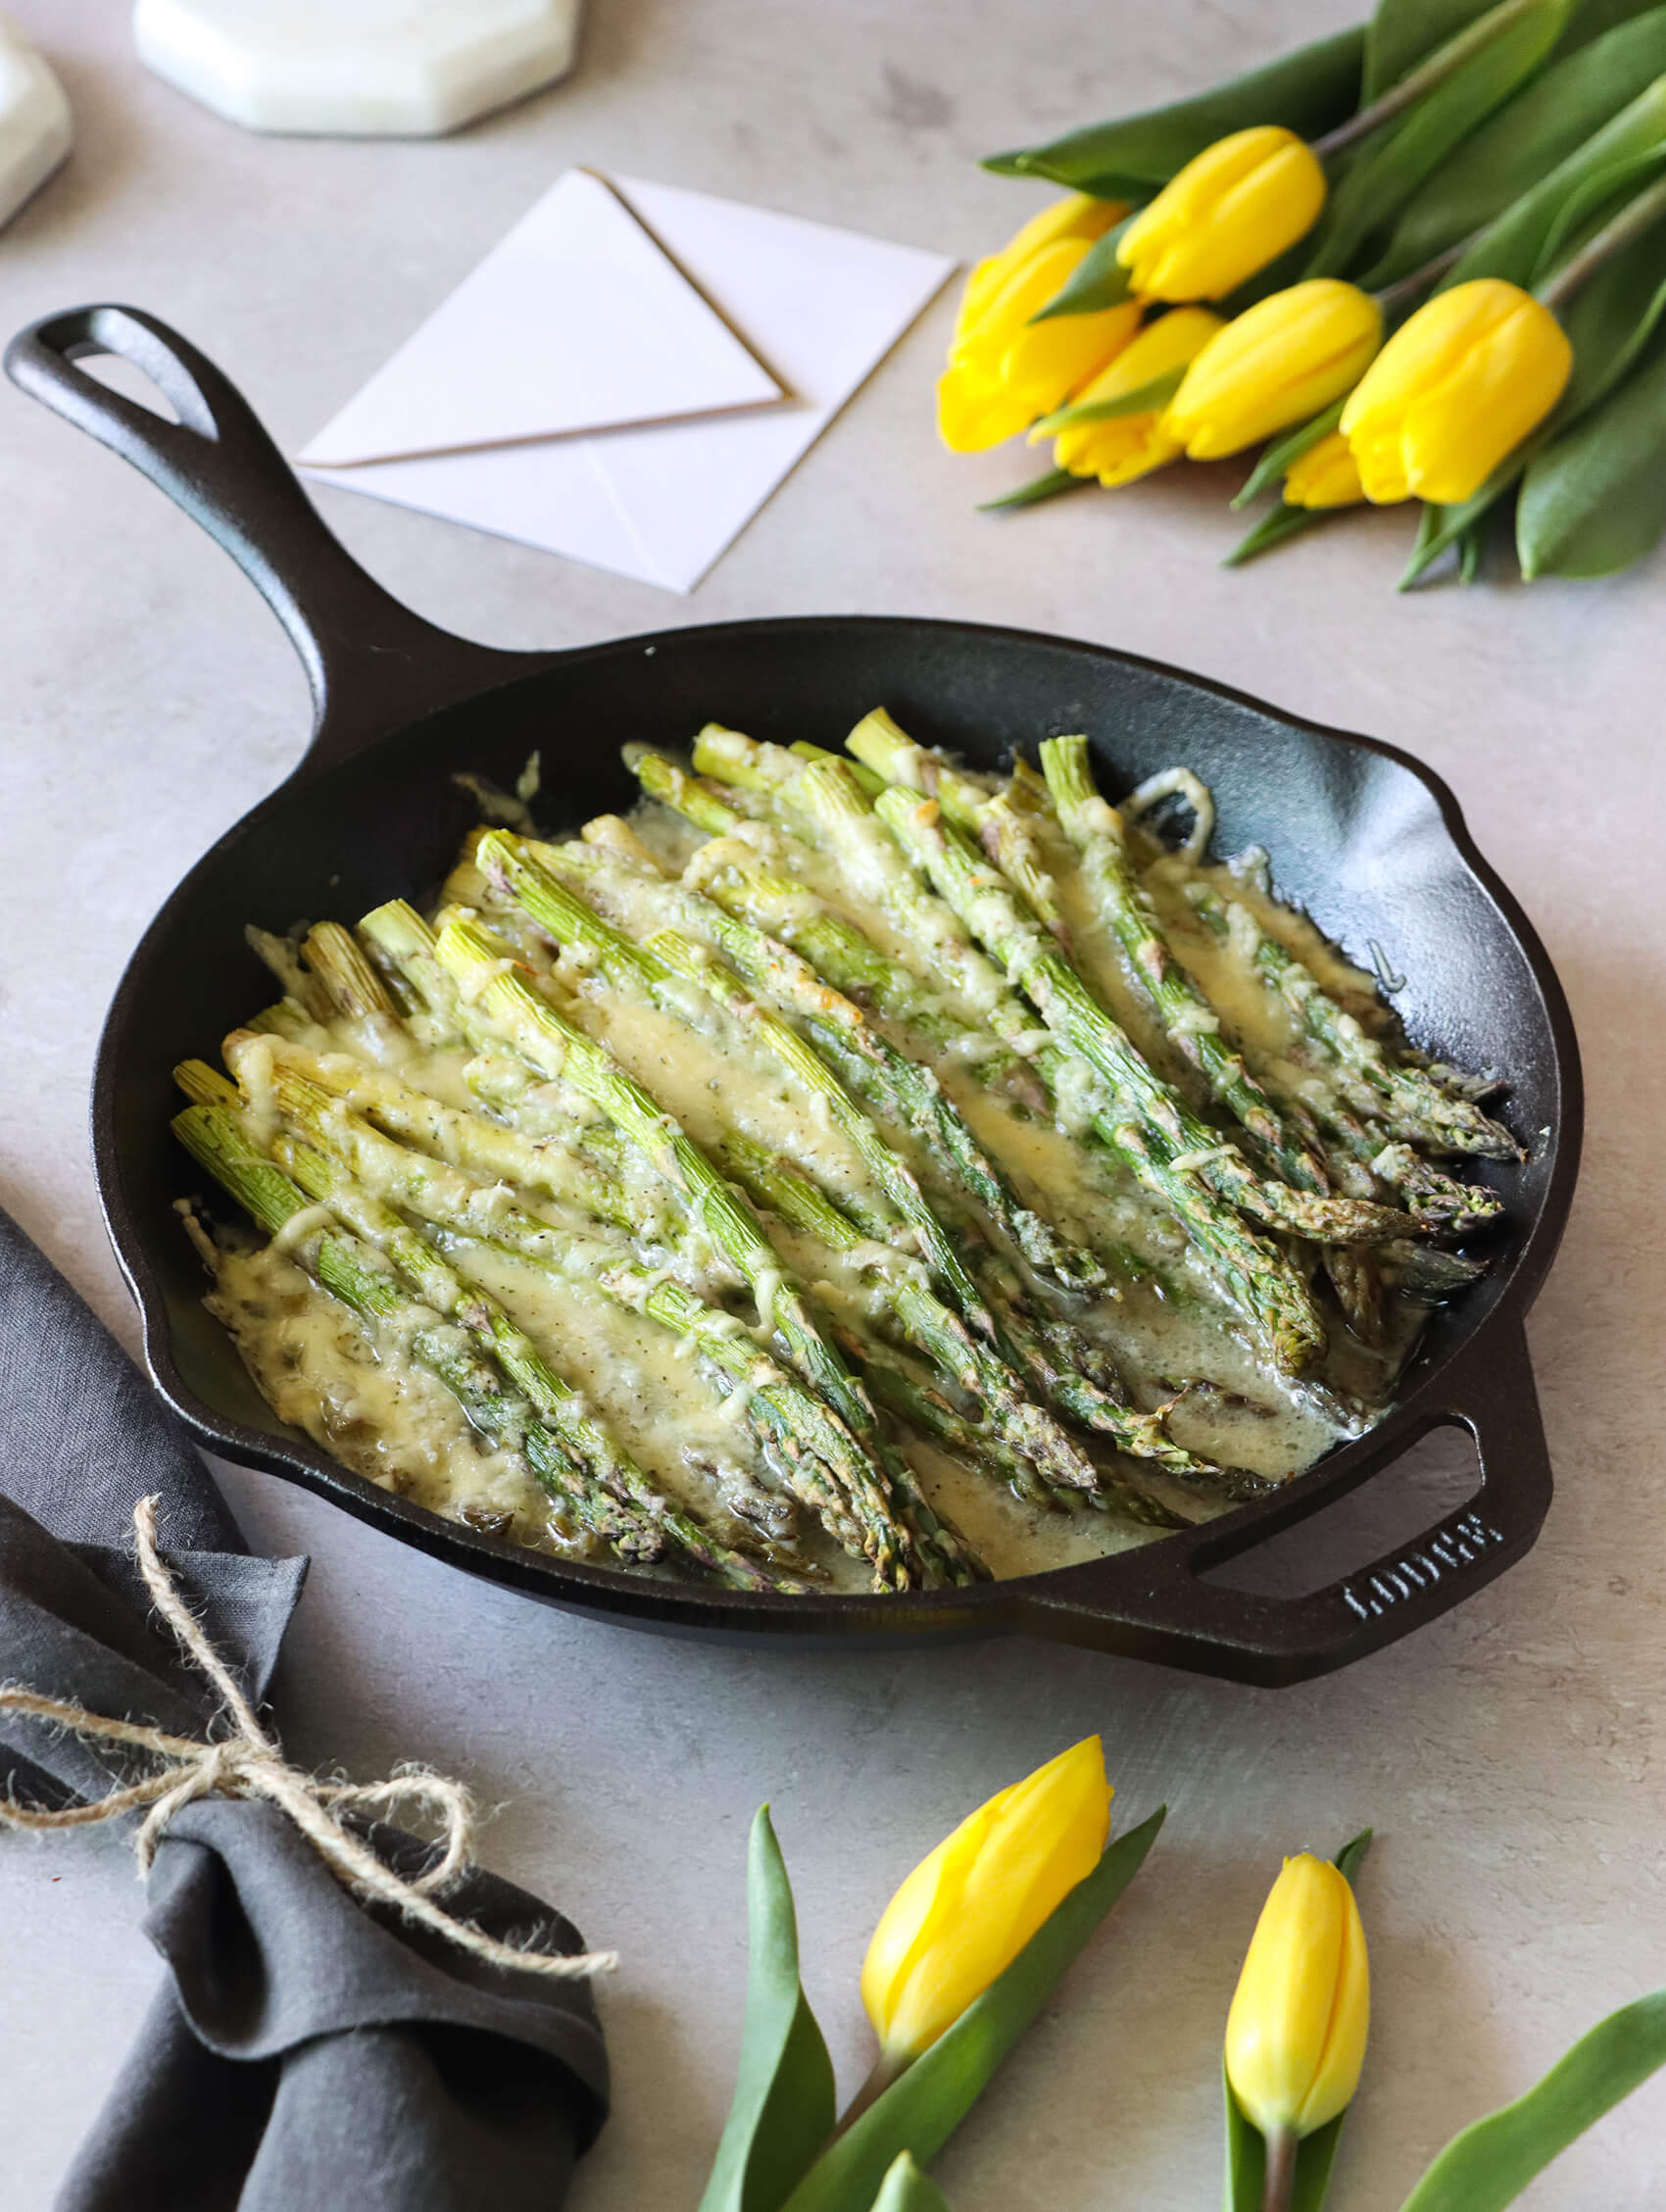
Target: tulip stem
(887, 2067)
(1444, 63)
(1640, 215)
(1280, 2170)
(1393, 297)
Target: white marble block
(356, 68)
(34, 120)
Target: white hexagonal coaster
(356, 68)
(34, 120)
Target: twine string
(248, 1762)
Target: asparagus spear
(352, 985)
(353, 1273)
(1007, 832)
(1405, 1099)
(552, 1043)
(1436, 1202)
(285, 1018)
(1188, 1021)
(737, 760)
(878, 743)
(915, 1400)
(687, 795)
(872, 782)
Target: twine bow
(249, 1763)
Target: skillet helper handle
(1264, 1639)
(373, 665)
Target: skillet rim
(1011, 1603)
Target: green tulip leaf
(1542, 126)
(1439, 528)
(1352, 1857)
(1246, 2161)
(1144, 399)
(1275, 462)
(1511, 247)
(1245, 2154)
(1039, 488)
(1595, 499)
(921, 2110)
(1308, 91)
(1377, 187)
(1098, 281)
(1594, 201)
(1404, 32)
(784, 2106)
(1278, 523)
(907, 2190)
(1488, 2165)
(1609, 321)
(1313, 2163)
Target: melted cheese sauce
(363, 1399)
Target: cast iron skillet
(1371, 842)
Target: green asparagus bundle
(1165, 1150)
(983, 1160)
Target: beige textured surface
(1511, 1756)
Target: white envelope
(670, 313)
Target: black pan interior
(1369, 844)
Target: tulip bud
(1456, 387)
(1296, 2033)
(1005, 368)
(967, 1910)
(1287, 357)
(1325, 476)
(1076, 216)
(1126, 445)
(1233, 208)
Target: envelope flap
(580, 321)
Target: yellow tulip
(1279, 361)
(1231, 210)
(1076, 216)
(1004, 369)
(968, 1909)
(1454, 389)
(1325, 476)
(1127, 446)
(1296, 2033)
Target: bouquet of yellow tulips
(1423, 261)
(975, 1941)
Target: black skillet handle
(1208, 1625)
(371, 664)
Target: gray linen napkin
(305, 2050)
